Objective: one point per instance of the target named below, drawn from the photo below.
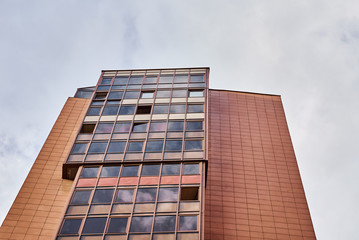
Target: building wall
(38, 207)
(254, 189)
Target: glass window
(165, 79)
(103, 88)
(151, 79)
(97, 147)
(146, 195)
(127, 110)
(193, 145)
(188, 223)
(139, 127)
(120, 81)
(97, 103)
(117, 225)
(173, 145)
(196, 93)
(147, 94)
(196, 78)
(79, 148)
(163, 94)
(165, 223)
(194, 125)
(89, 172)
(181, 79)
(158, 127)
(115, 95)
(116, 147)
(154, 146)
(104, 128)
(123, 127)
(103, 196)
(71, 226)
(177, 108)
(106, 81)
(150, 170)
(168, 194)
(171, 169)
(131, 95)
(160, 109)
(130, 171)
(113, 102)
(110, 171)
(141, 224)
(179, 93)
(143, 109)
(135, 146)
(110, 110)
(93, 111)
(190, 169)
(175, 126)
(81, 197)
(124, 195)
(135, 80)
(100, 96)
(94, 225)
(118, 87)
(195, 108)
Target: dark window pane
(104, 128)
(175, 126)
(71, 226)
(135, 147)
(117, 225)
(135, 80)
(189, 193)
(131, 95)
(177, 109)
(115, 95)
(139, 127)
(193, 145)
(122, 127)
(79, 148)
(163, 94)
(154, 146)
(124, 195)
(195, 125)
(98, 147)
(151, 80)
(168, 194)
(171, 169)
(100, 95)
(189, 169)
(94, 112)
(181, 78)
(165, 79)
(94, 225)
(110, 171)
(160, 109)
(106, 81)
(188, 223)
(103, 196)
(127, 110)
(81, 197)
(195, 108)
(89, 172)
(195, 93)
(141, 224)
(150, 170)
(129, 171)
(120, 81)
(103, 88)
(196, 78)
(146, 195)
(179, 93)
(110, 110)
(165, 223)
(158, 127)
(173, 145)
(143, 109)
(116, 147)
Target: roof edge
(266, 94)
(143, 69)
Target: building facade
(155, 154)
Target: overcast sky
(307, 51)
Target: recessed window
(110, 110)
(165, 223)
(87, 128)
(115, 95)
(135, 80)
(150, 79)
(158, 127)
(154, 146)
(79, 148)
(124, 195)
(193, 145)
(141, 224)
(195, 108)
(193, 93)
(173, 145)
(168, 195)
(189, 193)
(147, 94)
(104, 128)
(81, 197)
(130, 171)
(143, 109)
(163, 94)
(93, 111)
(127, 110)
(187, 223)
(139, 127)
(106, 81)
(103, 196)
(194, 126)
(150, 170)
(179, 93)
(110, 171)
(94, 225)
(160, 109)
(89, 172)
(116, 147)
(196, 78)
(100, 96)
(120, 81)
(146, 195)
(177, 108)
(117, 225)
(97, 147)
(171, 169)
(135, 147)
(132, 95)
(123, 127)
(71, 226)
(190, 169)
(175, 126)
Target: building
(155, 154)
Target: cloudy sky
(307, 51)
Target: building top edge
(144, 69)
(226, 90)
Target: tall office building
(155, 154)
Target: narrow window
(100, 96)
(194, 93)
(163, 94)
(175, 126)
(150, 80)
(196, 78)
(135, 80)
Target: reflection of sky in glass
(147, 95)
(135, 147)
(120, 80)
(124, 195)
(160, 109)
(141, 224)
(97, 147)
(196, 78)
(132, 95)
(106, 81)
(179, 93)
(79, 148)
(195, 108)
(190, 169)
(110, 110)
(163, 94)
(177, 108)
(123, 127)
(170, 169)
(173, 145)
(188, 223)
(116, 147)
(168, 194)
(165, 223)
(127, 110)
(81, 197)
(196, 93)
(117, 225)
(154, 146)
(166, 79)
(129, 171)
(93, 112)
(195, 125)
(110, 171)
(103, 196)
(104, 128)
(139, 127)
(193, 145)
(94, 225)
(175, 126)
(146, 195)
(158, 127)
(150, 170)
(151, 80)
(89, 172)
(181, 79)
(115, 95)
(135, 80)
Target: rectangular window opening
(87, 128)
(144, 109)
(189, 193)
